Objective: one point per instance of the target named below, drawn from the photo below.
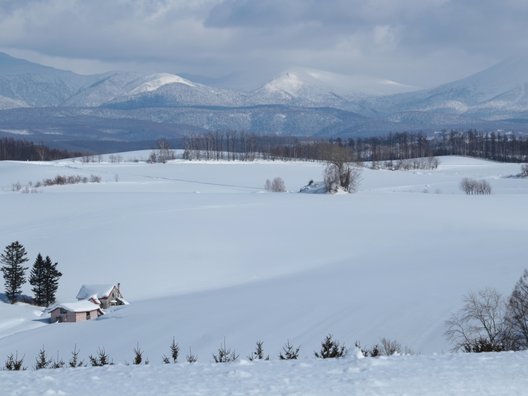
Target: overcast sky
(417, 42)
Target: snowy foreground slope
(494, 374)
(203, 253)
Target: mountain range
(68, 109)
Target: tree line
(22, 150)
(44, 275)
(240, 146)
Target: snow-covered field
(493, 374)
(203, 253)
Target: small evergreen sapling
(101, 359)
(259, 352)
(138, 355)
(74, 360)
(331, 349)
(224, 355)
(190, 357)
(289, 352)
(58, 363)
(13, 363)
(41, 361)
(175, 351)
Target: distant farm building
(75, 312)
(103, 295)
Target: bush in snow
(259, 352)
(289, 352)
(190, 358)
(369, 352)
(390, 347)
(277, 185)
(138, 356)
(101, 359)
(13, 363)
(331, 349)
(224, 354)
(475, 187)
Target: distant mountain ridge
(49, 105)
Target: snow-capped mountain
(494, 93)
(309, 87)
(169, 90)
(51, 105)
(121, 86)
(27, 84)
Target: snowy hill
(202, 253)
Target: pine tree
(13, 257)
(36, 279)
(44, 278)
(51, 281)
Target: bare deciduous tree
(276, 185)
(479, 325)
(390, 347)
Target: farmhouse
(103, 295)
(75, 312)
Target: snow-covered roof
(79, 306)
(96, 291)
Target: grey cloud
(410, 40)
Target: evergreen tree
(51, 281)
(45, 280)
(13, 258)
(36, 279)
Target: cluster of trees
(487, 322)
(163, 153)
(44, 276)
(330, 349)
(475, 187)
(229, 146)
(393, 147)
(21, 150)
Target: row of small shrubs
(330, 349)
(58, 180)
(407, 164)
(475, 187)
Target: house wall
(72, 317)
(55, 315)
(114, 294)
